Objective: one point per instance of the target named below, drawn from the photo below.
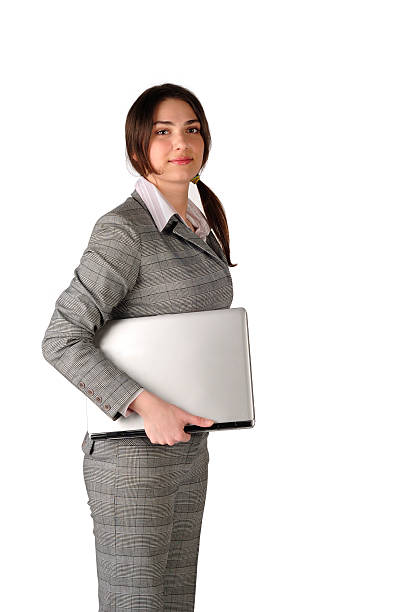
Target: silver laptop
(199, 361)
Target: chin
(185, 173)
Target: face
(175, 134)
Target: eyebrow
(170, 122)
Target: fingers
(182, 436)
(160, 433)
(202, 422)
(193, 419)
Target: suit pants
(146, 501)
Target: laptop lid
(199, 361)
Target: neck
(176, 194)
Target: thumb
(200, 421)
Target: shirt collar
(161, 210)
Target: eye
(159, 132)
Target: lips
(181, 160)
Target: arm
(108, 269)
(126, 412)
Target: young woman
(156, 253)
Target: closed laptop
(199, 361)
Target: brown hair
(138, 129)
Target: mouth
(181, 160)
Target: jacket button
(82, 385)
(90, 391)
(98, 399)
(107, 407)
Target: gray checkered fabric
(146, 500)
(147, 504)
(130, 269)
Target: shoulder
(130, 218)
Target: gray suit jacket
(130, 269)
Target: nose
(179, 141)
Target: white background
(306, 106)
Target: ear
(134, 157)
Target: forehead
(174, 110)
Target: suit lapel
(211, 246)
(213, 242)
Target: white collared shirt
(161, 211)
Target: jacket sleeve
(107, 271)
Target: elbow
(48, 349)
(53, 348)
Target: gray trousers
(146, 502)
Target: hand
(164, 422)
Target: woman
(156, 253)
